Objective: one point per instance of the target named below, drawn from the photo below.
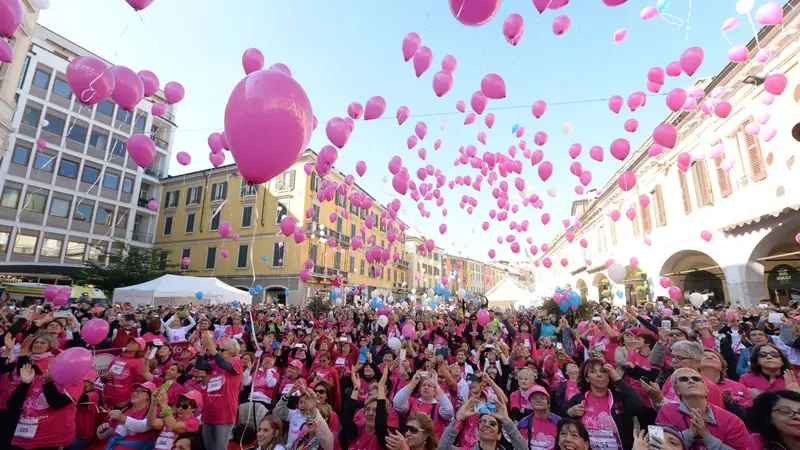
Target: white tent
(180, 290)
(510, 293)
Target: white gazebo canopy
(180, 290)
(510, 293)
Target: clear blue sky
(344, 51)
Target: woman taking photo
(775, 420)
(127, 427)
(173, 421)
(418, 436)
(123, 373)
(606, 406)
(370, 432)
(491, 427)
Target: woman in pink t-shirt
(124, 371)
(714, 367)
(768, 370)
(173, 420)
(775, 420)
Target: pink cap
(140, 341)
(539, 390)
(296, 363)
(91, 375)
(149, 385)
(193, 395)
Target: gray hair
(683, 371)
(692, 349)
(234, 347)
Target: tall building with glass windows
(65, 203)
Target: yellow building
(194, 205)
(457, 268)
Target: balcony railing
(140, 236)
(169, 116)
(341, 238)
(402, 263)
(160, 143)
(154, 172)
(144, 200)
(328, 272)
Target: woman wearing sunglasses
(419, 435)
(173, 421)
(491, 427)
(775, 419)
(701, 423)
(770, 370)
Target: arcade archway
(778, 256)
(695, 271)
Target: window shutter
(687, 201)
(644, 211)
(723, 178)
(613, 233)
(662, 213)
(753, 148)
(291, 180)
(224, 190)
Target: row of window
(242, 256)
(36, 202)
(169, 221)
(68, 168)
(41, 79)
(26, 244)
(387, 274)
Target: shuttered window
(635, 222)
(661, 213)
(702, 186)
(647, 226)
(613, 233)
(758, 170)
(723, 178)
(687, 201)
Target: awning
(758, 219)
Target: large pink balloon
(252, 60)
(614, 2)
(150, 82)
(691, 60)
(128, 88)
(6, 52)
(493, 86)
(411, 44)
(158, 109)
(94, 331)
(627, 181)
(268, 124)
(442, 83)
(770, 13)
(665, 135)
(474, 12)
(71, 365)
(174, 92)
(11, 17)
(139, 5)
(775, 83)
(513, 28)
(337, 131)
(375, 108)
(141, 149)
(90, 79)
(422, 60)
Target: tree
(127, 266)
(319, 305)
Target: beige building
(10, 73)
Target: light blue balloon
(252, 291)
(661, 5)
(574, 298)
(515, 128)
(259, 289)
(264, 258)
(620, 294)
(286, 292)
(198, 295)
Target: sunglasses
(320, 391)
(412, 429)
(686, 379)
(487, 421)
(185, 405)
(775, 355)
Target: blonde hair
(275, 423)
(426, 425)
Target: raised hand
(26, 374)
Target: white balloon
(40, 4)
(696, 298)
(413, 291)
(566, 128)
(45, 123)
(374, 294)
(551, 192)
(744, 6)
(616, 273)
(394, 343)
(461, 293)
(383, 321)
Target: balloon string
(105, 164)
(253, 243)
(689, 20)
(69, 130)
(753, 27)
(725, 35)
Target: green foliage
(127, 266)
(584, 311)
(319, 305)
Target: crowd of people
(404, 377)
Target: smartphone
(655, 431)
(402, 354)
(430, 346)
(666, 324)
(488, 346)
(60, 313)
(343, 339)
(424, 374)
(152, 353)
(443, 352)
(559, 346)
(472, 378)
(596, 319)
(486, 407)
(775, 317)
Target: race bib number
(215, 383)
(528, 343)
(117, 368)
(340, 361)
(158, 342)
(165, 440)
(287, 388)
(26, 428)
(599, 439)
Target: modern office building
(71, 200)
(195, 204)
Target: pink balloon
(173, 92)
(763, 54)
(538, 109)
(631, 125)
(375, 108)
(361, 168)
(411, 142)
(139, 5)
(158, 109)
(575, 150)
(402, 114)
(775, 83)
(11, 16)
(691, 59)
(478, 102)
(675, 99)
(215, 142)
(224, 229)
(620, 148)
(649, 12)
(489, 120)
(770, 13)
(6, 51)
(615, 104)
(184, 158)
(280, 67)
(216, 158)
(71, 365)
(474, 12)
(541, 5)
(128, 88)
(267, 96)
(493, 86)
(150, 82)
(421, 130)
(94, 331)
(152, 205)
(738, 53)
(411, 44)
(665, 135)
(355, 110)
(706, 235)
(673, 69)
(442, 83)
(186, 261)
(252, 60)
(141, 149)
(513, 28)
(288, 225)
(722, 109)
(596, 153)
(656, 75)
(545, 170)
(620, 35)
(90, 79)
(50, 292)
(627, 180)
(614, 2)
(422, 60)
(730, 24)
(561, 25)
(449, 64)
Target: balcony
(341, 238)
(160, 143)
(140, 236)
(329, 272)
(143, 200)
(169, 116)
(154, 172)
(402, 263)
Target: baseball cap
(296, 363)
(140, 341)
(149, 385)
(193, 395)
(539, 390)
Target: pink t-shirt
(728, 428)
(543, 435)
(125, 371)
(41, 426)
(739, 392)
(221, 396)
(714, 397)
(432, 410)
(599, 422)
(761, 383)
(166, 438)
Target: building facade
(193, 206)
(424, 270)
(80, 195)
(10, 73)
(727, 233)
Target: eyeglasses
(321, 391)
(775, 355)
(686, 379)
(676, 334)
(412, 429)
(185, 405)
(787, 412)
(757, 334)
(142, 391)
(487, 421)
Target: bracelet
(165, 412)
